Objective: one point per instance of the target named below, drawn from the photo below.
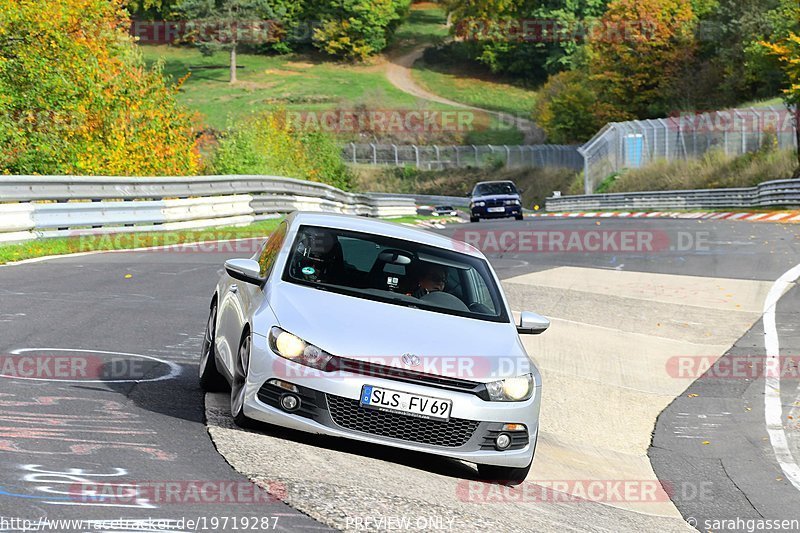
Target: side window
(481, 291)
(271, 249)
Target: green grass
(293, 82)
(301, 83)
(426, 24)
(472, 86)
(771, 102)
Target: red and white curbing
(773, 216)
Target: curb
(772, 216)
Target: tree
(355, 29)
(76, 98)
(640, 53)
(788, 53)
(525, 38)
(566, 109)
(224, 24)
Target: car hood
(495, 197)
(382, 333)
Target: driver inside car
(432, 279)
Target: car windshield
(394, 271)
(445, 208)
(485, 189)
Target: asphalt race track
(633, 330)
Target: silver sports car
(378, 332)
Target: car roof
(496, 181)
(380, 227)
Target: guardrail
(54, 206)
(768, 194)
(426, 199)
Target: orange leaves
(74, 60)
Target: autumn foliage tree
(788, 53)
(75, 97)
(639, 53)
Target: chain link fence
(634, 144)
(432, 157)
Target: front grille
(365, 368)
(349, 414)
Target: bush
(713, 170)
(356, 29)
(566, 109)
(76, 98)
(268, 144)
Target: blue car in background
(495, 199)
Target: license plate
(405, 403)
(496, 209)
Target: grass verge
(714, 170)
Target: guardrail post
(475, 149)
(458, 156)
(355, 160)
(374, 154)
(416, 153)
(396, 156)
(438, 156)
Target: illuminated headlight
(478, 204)
(511, 202)
(296, 349)
(515, 389)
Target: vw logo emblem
(409, 359)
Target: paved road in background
(152, 306)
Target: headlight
(511, 202)
(515, 389)
(478, 204)
(296, 349)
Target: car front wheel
(238, 389)
(474, 219)
(504, 474)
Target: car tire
(474, 219)
(503, 474)
(210, 378)
(240, 370)
(519, 217)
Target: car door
(240, 300)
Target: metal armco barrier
(768, 194)
(52, 206)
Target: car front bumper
(330, 406)
(508, 211)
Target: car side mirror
(468, 195)
(532, 324)
(245, 270)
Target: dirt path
(399, 74)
